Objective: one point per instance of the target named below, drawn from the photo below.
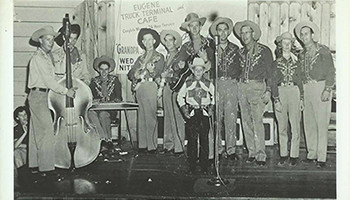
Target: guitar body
(179, 78)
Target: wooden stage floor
(159, 176)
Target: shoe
(321, 164)
(233, 157)
(309, 161)
(178, 154)
(153, 151)
(250, 160)
(260, 163)
(283, 161)
(293, 162)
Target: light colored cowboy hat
(46, 30)
(144, 31)
(199, 62)
(104, 59)
(74, 28)
(220, 20)
(192, 17)
(238, 26)
(285, 36)
(309, 24)
(176, 35)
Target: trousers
(146, 96)
(316, 121)
(252, 111)
(41, 132)
(227, 106)
(198, 125)
(174, 125)
(290, 100)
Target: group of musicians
(184, 80)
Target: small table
(122, 106)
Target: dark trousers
(198, 125)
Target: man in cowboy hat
(174, 127)
(78, 60)
(104, 88)
(228, 74)
(318, 74)
(41, 79)
(144, 74)
(255, 61)
(198, 46)
(286, 86)
(196, 100)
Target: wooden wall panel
(263, 22)
(24, 14)
(19, 74)
(24, 29)
(325, 25)
(101, 28)
(288, 14)
(110, 29)
(21, 44)
(274, 25)
(284, 17)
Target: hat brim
(206, 67)
(280, 38)
(37, 34)
(238, 26)
(176, 35)
(184, 25)
(106, 59)
(309, 24)
(219, 20)
(59, 39)
(145, 31)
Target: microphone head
(216, 38)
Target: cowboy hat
(46, 30)
(199, 62)
(176, 35)
(144, 31)
(309, 24)
(217, 21)
(74, 28)
(238, 26)
(192, 17)
(285, 35)
(104, 59)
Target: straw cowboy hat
(46, 30)
(104, 59)
(176, 35)
(309, 24)
(219, 20)
(238, 26)
(285, 35)
(199, 62)
(192, 17)
(74, 28)
(144, 31)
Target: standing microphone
(217, 41)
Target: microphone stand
(217, 180)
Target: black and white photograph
(174, 99)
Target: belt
(223, 78)
(40, 89)
(197, 107)
(284, 84)
(149, 79)
(311, 81)
(250, 81)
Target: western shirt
(318, 67)
(255, 63)
(285, 71)
(41, 72)
(228, 65)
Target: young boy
(196, 100)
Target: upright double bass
(77, 143)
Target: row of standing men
(246, 76)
